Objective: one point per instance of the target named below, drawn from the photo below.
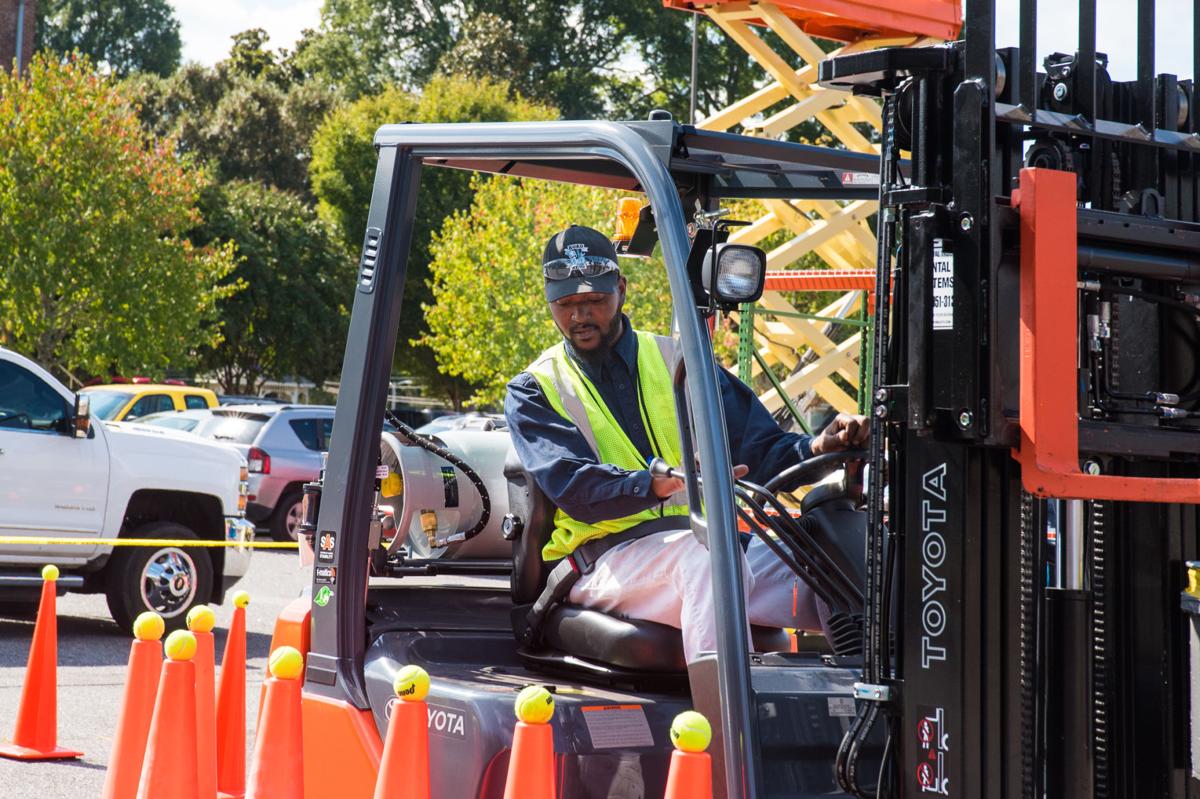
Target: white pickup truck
(61, 475)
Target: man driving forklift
(589, 416)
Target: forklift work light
(734, 273)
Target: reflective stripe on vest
(573, 396)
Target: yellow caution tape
(9, 540)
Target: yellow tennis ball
(148, 626)
(201, 619)
(286, 663)
(241, 598)
(534, 705)
(50, 572)
(180, 645)
(411, 683)
(690, 732)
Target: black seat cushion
(633, 643)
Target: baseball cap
(586, 260)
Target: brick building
(14, 14)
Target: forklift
(427, 549)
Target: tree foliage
(290, 317)
(124, 36)
(488, 319)
(97, 273)
(248, 118)
(588, 58)
(343, 171)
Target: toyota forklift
(427, 549)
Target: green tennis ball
(201, 619)
(241, 599)
(534, 705)
(411, 684)
(690, 732)
(148, 626)
(180, 645)
(50, 572)
(286, 663)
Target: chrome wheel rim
(168, 582)
(295, 517)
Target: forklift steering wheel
(814, 469)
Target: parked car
(187, 421)
(124, 402)
(282, 445)
(64, 474)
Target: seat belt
(581, 561)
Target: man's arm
(563, 464)
(756, 440)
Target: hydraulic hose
(429, 445)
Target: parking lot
(92, 654)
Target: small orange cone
(200, 621)
(36, 734)
(277, 768)
(404, 767)
(690, 776)
(169, 770)
(137, 708)
(531, 763)
(231, 706)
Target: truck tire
(287, 516)
(168, 580)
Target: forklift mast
(1036, 413)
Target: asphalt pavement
(92, 655)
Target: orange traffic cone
(200, 621)
(169, 770)
(690, 776)
(36, 735)
(277, 767)
(231, 706)
(404, 767)
(531, 763)
(137, 708)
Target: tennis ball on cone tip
(180, 645)
(286, 663)
(241, 599)
(49, 572)
(691, 732)
(201, 619)
(149, 626)
(411, 684)
(534, 705)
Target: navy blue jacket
(560, 460)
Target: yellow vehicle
(124, 402)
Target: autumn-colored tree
(95, 271)
(488, 318)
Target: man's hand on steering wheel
(664, 487)
(846, 431)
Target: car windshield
(173, 420)
(105, 403)
(236, 427)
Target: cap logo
(576, 255)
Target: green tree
(124, 36)
(593, 58)
(289, 320)
(248, 117)
(488, 318)
(343, 170)
(97, 272)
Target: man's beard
(607, 339)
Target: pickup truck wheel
(289, 513)
(168, 580)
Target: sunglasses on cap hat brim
(591, 266)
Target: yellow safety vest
(577, 400)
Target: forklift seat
(602, 638)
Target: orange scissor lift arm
(851, 20)
(1049, 448)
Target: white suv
(63, 476)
